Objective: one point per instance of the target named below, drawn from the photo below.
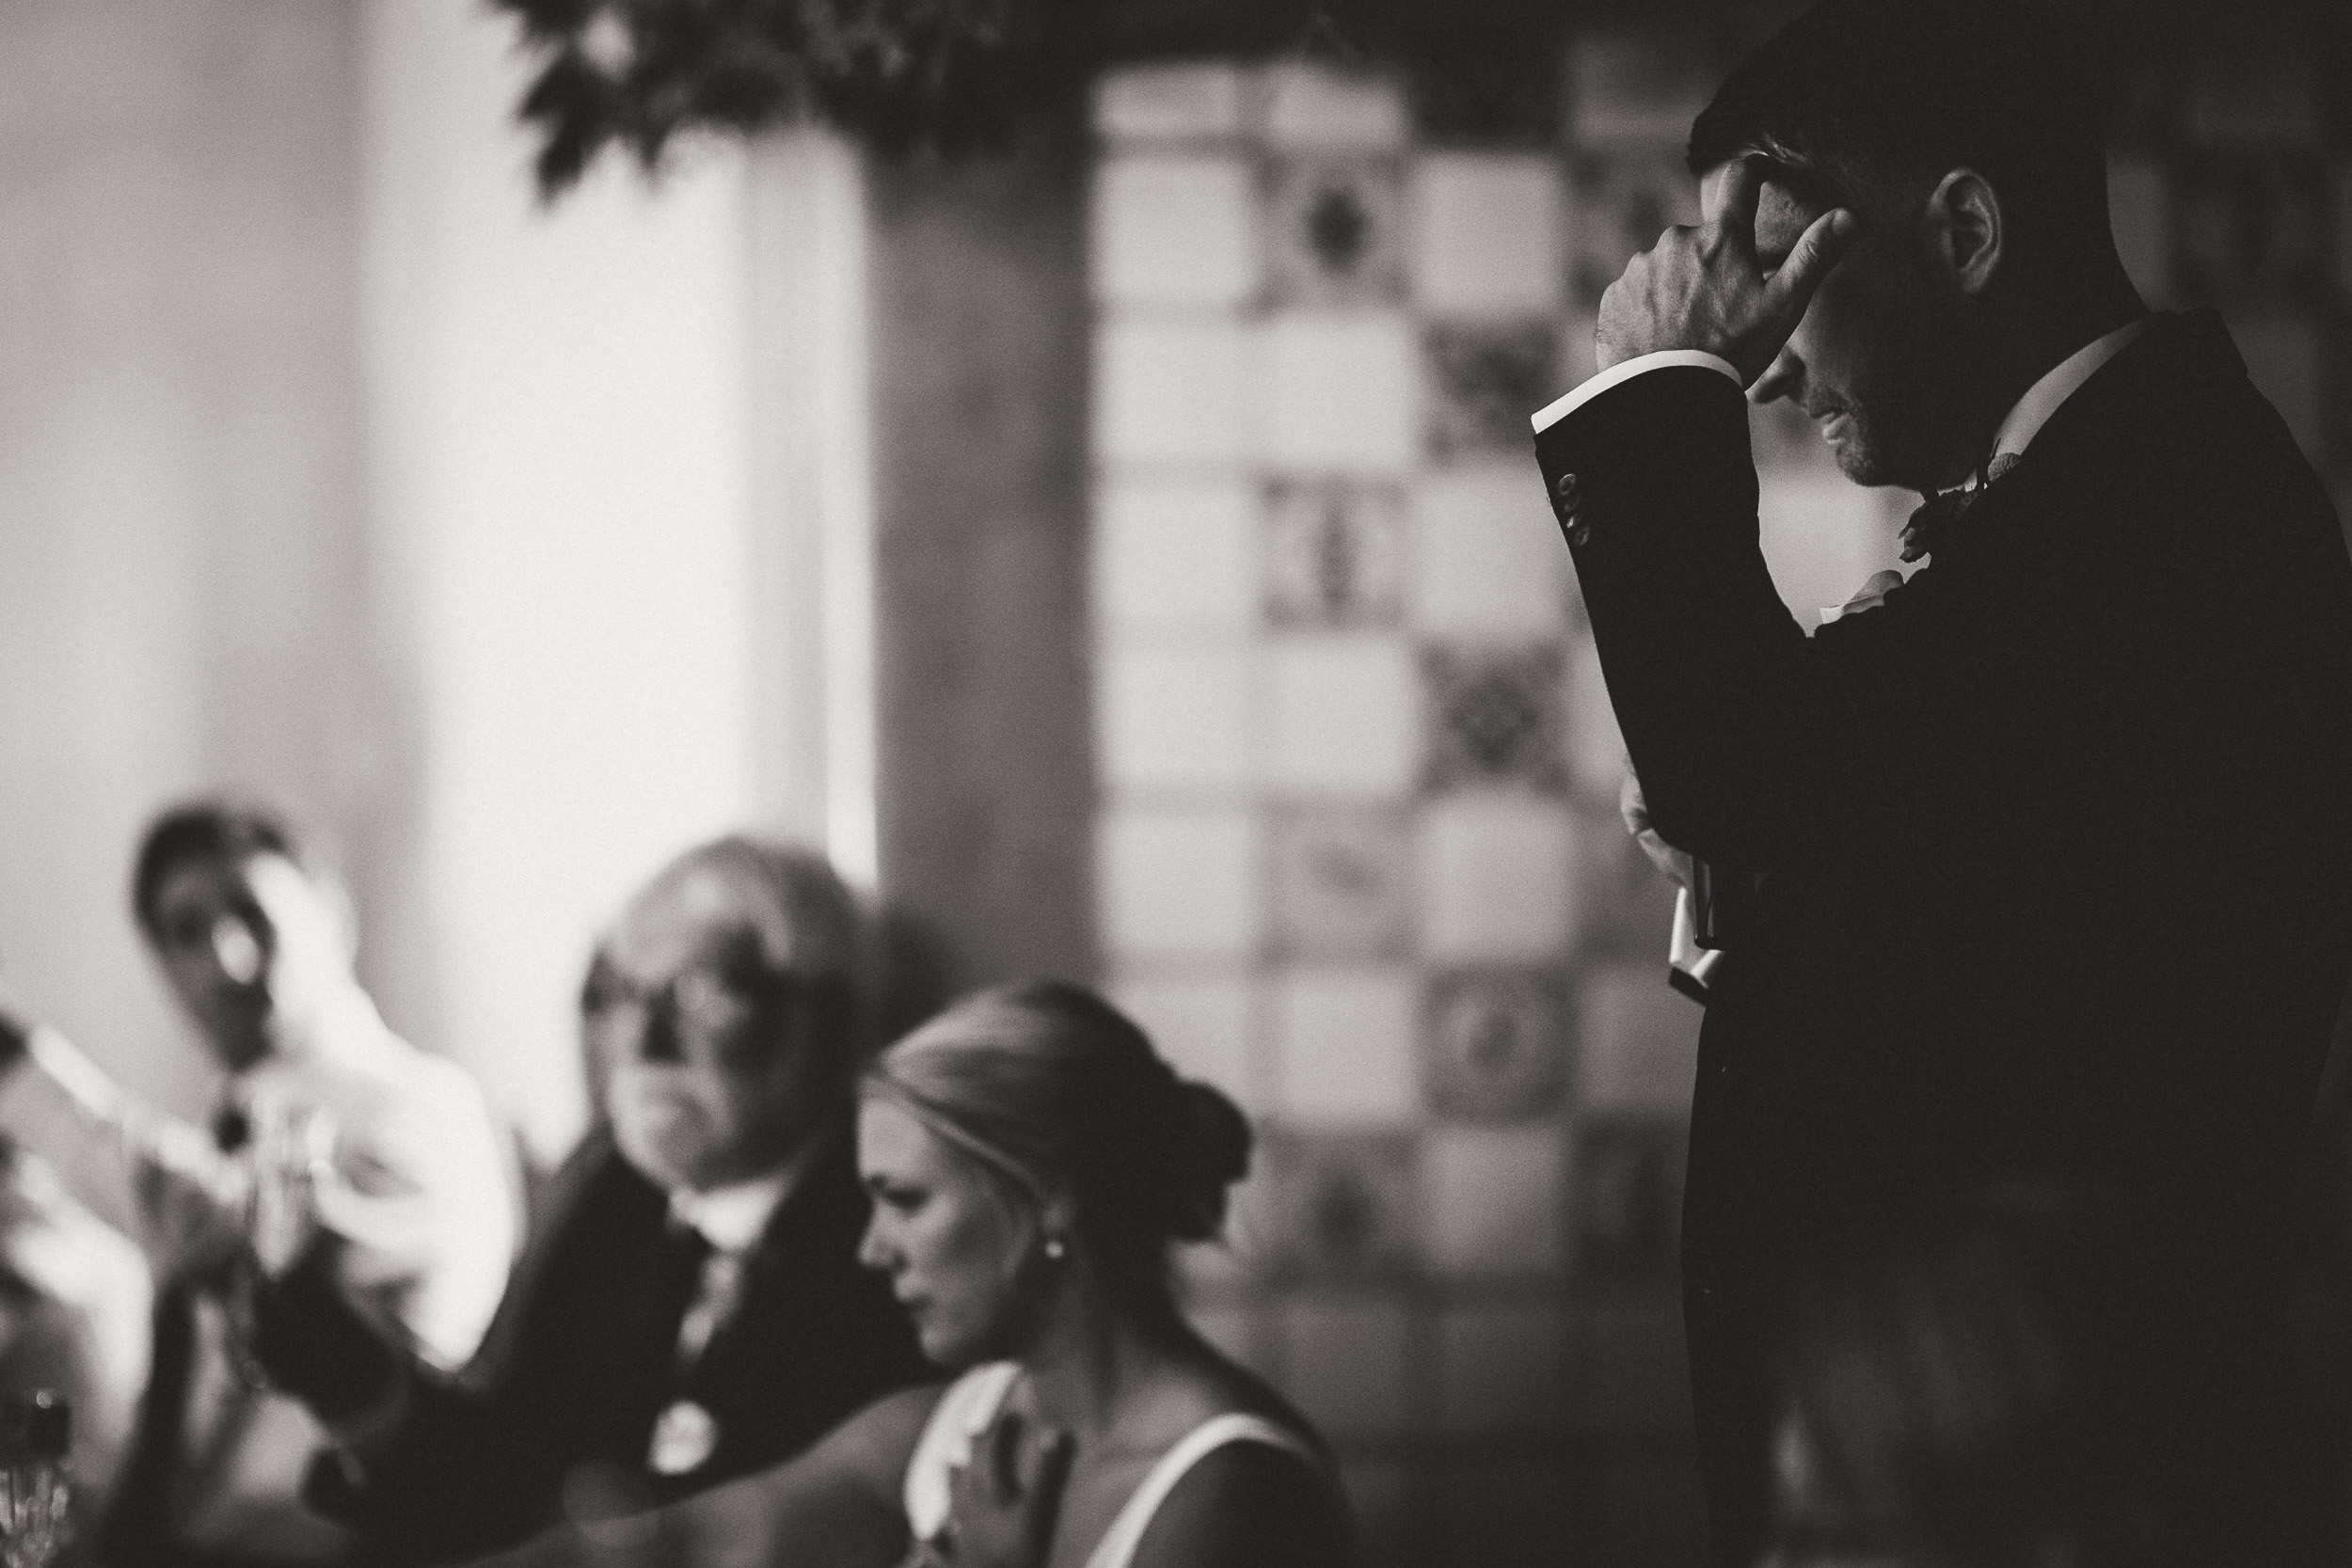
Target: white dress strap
(1117, 1546)
(963, 1413)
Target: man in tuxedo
(256, 943)
(690, 1306)
(2049, 854)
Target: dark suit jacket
(2052, 846)
(577, 1363)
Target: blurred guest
(2042, 862)
(689, 1306)
(1031, 1159)
(75, 1298)
(2022, 1381)
(257, 945)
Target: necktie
(686, 1433)
(1936, 521)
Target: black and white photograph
(1175, 784)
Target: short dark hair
(1864, 103)
(217, 828)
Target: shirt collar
(731, 1218)
(345, 1028)
(2060, 383)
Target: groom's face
(1880, 360)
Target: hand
(1635, 811)
(1702, 287)
(1001, 1505)
(292, 1158)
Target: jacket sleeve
(431, 1464)
(1754, 744)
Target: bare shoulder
(872, 1447)
(1247, 1504)
(1209, 1385)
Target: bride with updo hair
(1031, 1159)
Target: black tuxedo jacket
(2053, 846)
(579, 1363)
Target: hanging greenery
(894, 74)
(949, 76)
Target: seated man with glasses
(256, 943)
(690, 1307)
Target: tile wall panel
(1493, 1201)
(1175, 718)
(1337, 229)
(1178, 229)
(1335, 553)
(1360, 860)
(1346, 1045)
(1202, 1023)
(1347, 1359)
(1488, 560)
(1497, 878)
(1487, 234)
(1343, 881)
(1179, 884)
(1173, 393)
(1499, 1367)
(1341, 715)
(1176, 559)
(1340, 393)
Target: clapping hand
(1701, 286)
(293, 1157)
(1001, 1505)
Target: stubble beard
(1906, 413)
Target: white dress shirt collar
(731, 1218)
(2060, 382)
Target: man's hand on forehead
(1707, 286)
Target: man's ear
(1966, 229)
(1058, 1215)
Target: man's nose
(872, 1251)
(1783, 378)
(657, 1035)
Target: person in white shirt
(420, 1204)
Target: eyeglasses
(705, 999)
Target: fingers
(1632, 810)
(1817, 251)
(1735, 217)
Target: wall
(179, 541)
(336, 466)
(559, 625)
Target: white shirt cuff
(1593, 387)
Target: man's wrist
(1623, 372)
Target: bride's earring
(1056, 1248)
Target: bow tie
(1936, 523)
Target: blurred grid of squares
(1429, 966)
(1347, 747)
